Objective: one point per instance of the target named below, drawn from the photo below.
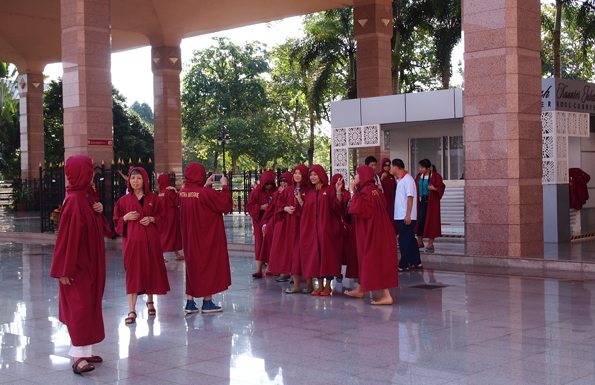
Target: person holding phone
(138, 218)
(258, 202)
(203, 238)
(431, 189)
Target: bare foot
(355, 294)
(165, 260)
(383, 301)
(179, 257)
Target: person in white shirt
(406, 217)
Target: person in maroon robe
(286, 238)
(346, 225)
(430, 187)
(376, 244)
(79, 264)
(269, 220)
(258, 202)
(321, 227)
(138, 218)
(171, 237)
(203, 237)
(389, 188)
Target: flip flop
(293, 291)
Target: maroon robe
(433, 225)
(80, 254)
(389, 185)
(376, 243)
(203, 234)
(141, 245)
(256, 199)
(321, 230)
(346, 226)
(286, 238)
(171, 236)
(270, 220)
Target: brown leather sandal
(130, 320)
(152, 311)
(78, 370)
(94, 359)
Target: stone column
(31, 123)
(502, 129)
(167, 65)
(87, 88)
(373, 30)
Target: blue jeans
(408, 245)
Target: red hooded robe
(346, 225)
(256, 199)
(203, 234)
(171, 237)
(270, 219)
(433, 225)
(80, 254)
(376, 243)
(389, 185)
(286, 238)
(141, 245)
(321, 234)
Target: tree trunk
(311, 148)
(234, 164)
(354, 159)
(446, 76)
(352, 91)
(215, 162)
(396, 61)
(557, 26)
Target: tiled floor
(463, 329)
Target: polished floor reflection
(445, 328)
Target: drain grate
(428, 287)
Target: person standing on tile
(431, 189)
(406, 216)
(79, 264)
(269, 222)
(171, 237)
(203, 237)
(138, 218)
(321, 230)
(258, 203)
(376, 245)
(346, 226)
(287, 236)
(389, 187)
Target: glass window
(426, 148)
(446, 153)
(456, 158)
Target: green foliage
(53, 123)
(10, 164)
(21, 194)
(144, 111)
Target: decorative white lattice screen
(556, 127)
(344, 138)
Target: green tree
(225, 86)
(10, 166)
(144, 111)
(53, 123)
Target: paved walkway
(458, 328)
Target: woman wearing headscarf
(321, 227)
(286, 238)
(389, 188)
(376, 243)
(430, 187)
(258, 202)
(138, 218)
(171, 237)
(203, 237)
(79, 264)
(269, 221)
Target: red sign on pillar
(100, 142)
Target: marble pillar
(167, 65)
(502, 129)
(30, 86)
(87, 88)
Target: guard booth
(430, 125)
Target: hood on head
(319, 170)
(289, 176)
(266, 177)
(335, 179)
(195, 174)
(79, 172)
(164, 182)
(145, 179)
(366, 176)
(304, 171)
(384, 160)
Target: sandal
(317, 292)
(293, 291)
(130, 320)
(93, 359)
(416, 267)
(402, 269)
(307, 291)
(78, 370)
(257, 275)
(152, 311)
(322, 293)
